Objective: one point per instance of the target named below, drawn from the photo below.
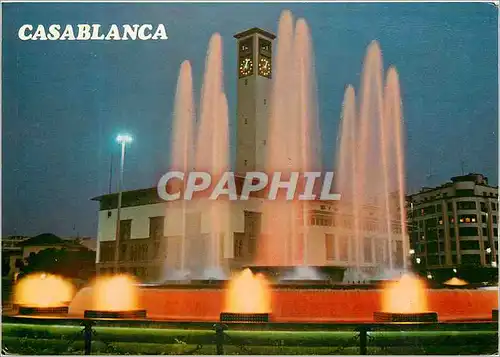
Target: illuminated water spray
(294, 143)
(182, 152)
(370, 163)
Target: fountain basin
(298, 304)
(127, 314)
(413, 317)
(244, 317)
(46, 310)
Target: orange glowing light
(248, 293)
(115, 293)
(455, 282)
(43, 290)
(407, 295)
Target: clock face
(265, 66)
(246, 66)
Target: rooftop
(255, 30)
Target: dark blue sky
(63, 102)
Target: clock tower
(255, 71)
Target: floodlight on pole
(123, 140)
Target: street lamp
(123, 140)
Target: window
(466, 205)
(265, 101)
(494, 219)
(107, 253)
(252, 244)
(431, 235)
(471, 259)
(467, 231)
(125, 229)
(468, 218)
(246, 120)
(483, 207)
(246, 162)
(485, 232)
(367, 250)
(246, 81)
(238, 245)
(450, 207)
(432, 247)
(433, 260)
(330, 246)
(430, 223)
(379, 252)
(428, 210)
(493, 206)
(156, 252)
(344, 248)
(464, 193)
(469, 245)
(123, 252)
(156, 225)
(438, 208)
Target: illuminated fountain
(248, 298)
(200, 243)
(114, 296)
(182, 159)
(212, 156)
(41, 294)
(293, 146)
(370, 166)
(405, 300)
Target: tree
(5, 266)
(78, 264)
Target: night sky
(65, 101)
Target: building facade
(150, 242)
(455, 224)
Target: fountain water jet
(43, 293)
(212, 156)
(405, 300)
(371, 151)
(293, 144)
(248, 298)
(113, 296)
(182, 151)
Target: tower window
(265, 101)
(246, 121)
(246, 81)
(246, 161)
